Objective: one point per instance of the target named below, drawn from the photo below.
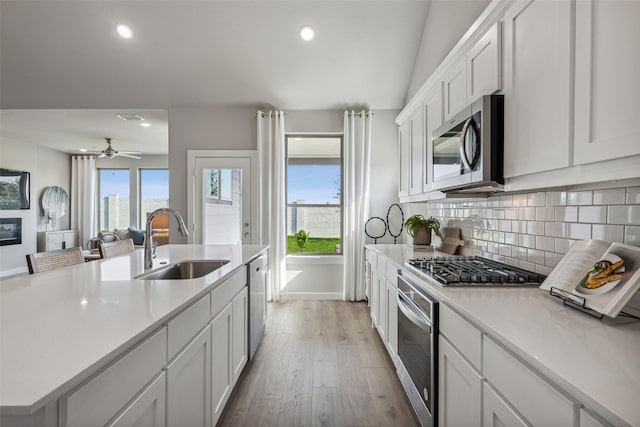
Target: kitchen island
(59, 328)
(592, 364)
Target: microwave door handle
(463, 151)
(416, 319)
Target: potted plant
(420, 229)
(301, 239)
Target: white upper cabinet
(537, 86)
(405, 158)
(607, 94)
(455, 89)
(415, 182)
(484, 65)
(434, 115)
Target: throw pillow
(137, 236)
(122, 234)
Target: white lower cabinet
(497, 412)
(383, 309)
(221, 369)
(189, 384)
(148, 409)
(460, 387)
(539, 402)
(240, 340)
(392, 321)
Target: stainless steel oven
(418, 348)
(467, 150)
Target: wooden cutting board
(452, 240)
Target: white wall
(447, 21)
(47, 168)
(203, 128)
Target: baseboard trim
(313, 295)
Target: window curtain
(271, 152)
(357, 163)
(84, 197)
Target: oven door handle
(413, 315)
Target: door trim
(192, 155)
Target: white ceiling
(66, 56)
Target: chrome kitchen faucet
(148, 249)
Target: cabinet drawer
(465, 337)
(224, 293)
(536, 399)
(97, 401)
(185, 325)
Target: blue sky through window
(155, 183)
(114, 181)
(316, 184)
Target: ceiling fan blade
(128, 155)
(130, 152)
(102, 155)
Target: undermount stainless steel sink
(182, 270)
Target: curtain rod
(264, 114)
(368, 113)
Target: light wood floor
(320, 364)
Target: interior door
(222, 200)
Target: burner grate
(474, 271)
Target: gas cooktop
(473, 271)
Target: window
(154, 191)
(218, 186)
(115, 204)
(314, 193)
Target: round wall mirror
(55, 202)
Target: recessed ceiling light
(83, 150)
(124, 31)
(307, 33)
(145, 124)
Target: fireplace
(10, 231)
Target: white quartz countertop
(595, 361)
(59, 327)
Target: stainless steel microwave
(468, 149)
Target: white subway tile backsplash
(535, 227)
(511, 238)
(520, 200)
(504, 226)
(535, 256)
(505, 250)
(519, 226)
(534, 230)
(563, 245)
(579, 231)
(511, 213)
(633, 195)
(566, 214)
(628, 215)
(519, 253)
(611, 196)
(544, 243)
(536, 199)
(555, 229)
(545, 214)
(580, 198)
(527, 265)
(632, 235)
(527, 214)
(592, 214)
(556, 198)
(551, 259)
(609, 233)
(541, 269)
(527, 240)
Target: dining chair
(53, 260)
(119, 247)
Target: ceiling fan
(110, 152)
